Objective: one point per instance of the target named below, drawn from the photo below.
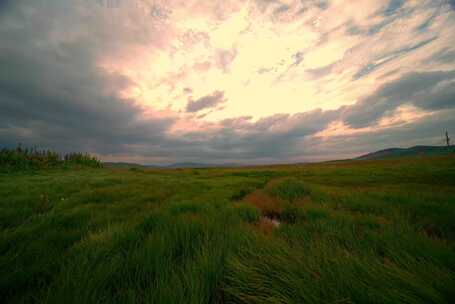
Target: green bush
(82, 159)
(33, 159)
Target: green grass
(288, 189)
(26, 159)
(351, 232)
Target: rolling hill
(413, 151)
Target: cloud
(426, 90)
(386, 58)
(55, 94)
(298, 58)
(320, 72)
(224, 58)
(452, 4)
(445, 56)
(118, 80)
(428, 131)
(281, 9)
(393, 6)
(270, 139)
(187, 90)
(206, 102)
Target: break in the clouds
(255, 81)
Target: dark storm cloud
(270, 139)
(206, 102)
(426, 90)
(275, 136)
(51, 92)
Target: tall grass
(351, 233)
(289, 189)
(33, 158)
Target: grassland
(350, 232)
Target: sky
(226, 81)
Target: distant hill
(382, 154)
(413, 151)
(199, 165)
(123, 165)
(171, 166)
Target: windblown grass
(350, 232)
(21, 159)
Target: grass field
(349, 232)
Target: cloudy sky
(244, 81)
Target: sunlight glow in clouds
(227, 80)
(270, 57)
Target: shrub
(82, 159)
(32, 159)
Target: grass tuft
(289, 190)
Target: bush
(82, 159)
(33, 159)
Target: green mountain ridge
(413, 151)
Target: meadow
(337, 232)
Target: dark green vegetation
(350, 232)
(413, 151)
(21, 159)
